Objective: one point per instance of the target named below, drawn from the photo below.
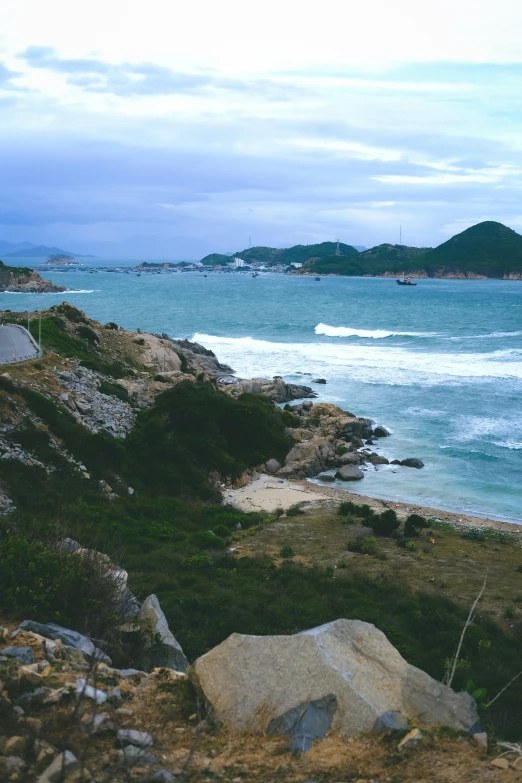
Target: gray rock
(64, 766)
(319, 380)
(22, 654)
(348, 659)
(381, 432)
(68, 637)
(114, 696)
(349, 473)
(305, 722)
(411, 462)
(326, 477)
(169, 652)
(133, 737)
(130, 755)
(272, 465)
(390, 721)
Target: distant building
(238, 263)
(296, 264)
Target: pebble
(481, 738)
(62, 768)
(90, 692)
(124, 712)
(133, 737)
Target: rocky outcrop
(276, 389)
(69, 638)
(349, 665)
(161, 648)
(25, 281)
(411, 462)
(349, 473)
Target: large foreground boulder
(349, 473)
(257, 683)
(162, 649)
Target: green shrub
(286, 551)
(86, 333)
(38, 583)
(294, 511)
(207, 539)
(410, 546)
(139, 341)
(362, 512)
(199, 561)
(222, 531)
(348, 520)
(385, 524)
(363, 545)
(112, 325)
(413, 525)
(115, 390)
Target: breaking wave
(374, 334)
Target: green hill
(489, 248)
(271, 256)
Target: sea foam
(374, 334)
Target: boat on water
(405, 281)
(317, 279)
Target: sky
(173, 129)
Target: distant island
(488, 250)
(40, 251)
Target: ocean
(439, 364)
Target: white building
(238, 263)
(296, 265)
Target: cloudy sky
(177, 128)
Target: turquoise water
(440, 365)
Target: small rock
(13, 765)
(89, 691)
(56, 696)
(99, 723)
(131, 755)
(326, 477)
(319, 380)
(481, 738)
(30, 676)
(413, 736)
(124, 712)
(43, 751)
(22, 654)
(133, 737)
(500, 763)
(131, 673)
(14, 746)
(272, 465)
(179, 730)
(381, 432)
(63, 767)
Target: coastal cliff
(23, 280)
(117, 450)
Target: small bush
(294, 511)
(413, 525)
(286, 551)
(206, 539)
(221, 531)
(349, 520)
(139, 341)
(385, 524)
(363, 546)
(199, 561)
(363, 512)
(88, 334)
(111, 325)
(410, 546)
(341, 449)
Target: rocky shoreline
(25, 281)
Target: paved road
(15, 345)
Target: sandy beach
(268, 493)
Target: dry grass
(453, 566)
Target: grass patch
(113, 389)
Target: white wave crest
(380, 364)
(375, 334)
(508, 444)
(52, 293)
